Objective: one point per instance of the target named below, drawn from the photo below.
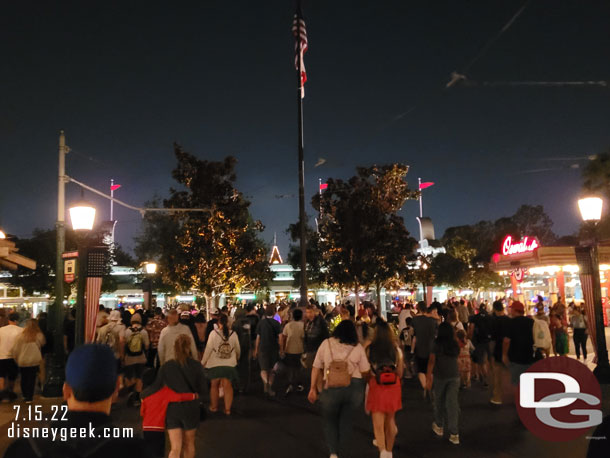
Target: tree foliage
(362, 239)
(214, 251)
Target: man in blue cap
(91, 384)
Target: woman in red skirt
(385, 393)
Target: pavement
(291, 427)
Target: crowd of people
(344, 356)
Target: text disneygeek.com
(15, 431)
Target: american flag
(92, 297)
(300, 47)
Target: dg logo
(559, 399)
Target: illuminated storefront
(549, 271)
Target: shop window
(13, 292)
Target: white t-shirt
(357, 362)
(295, 334)
(402, 318)
(8, 335)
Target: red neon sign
(527, 244)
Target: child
(153, 409)
(406, 336)
(464, 359)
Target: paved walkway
(291, 427)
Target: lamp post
(55, 381)
(591, 212)
(82, 216)
(150, 268)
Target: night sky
(127, 79)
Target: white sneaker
(454, 439)
(437, 429)
(374, 442)
(334, 455)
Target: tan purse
(337, 373)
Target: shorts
(182, 415)
(133, 371)
(481, 353)
(267, 360)
(421, 364)
(9, 369)
(292, 359)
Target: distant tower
(275, 252)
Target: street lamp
(82, 216)
(2, 235)
(150, 268)
(591, 212)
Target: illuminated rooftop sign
(527, 244)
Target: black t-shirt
(424, 328)
(521, 350)
(499, 329)
(445, 365)
(482, 328)
(269, 330)
(253, 320)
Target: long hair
(31, 330)
(383, 346)
(224, 321)
(182, 349)
(446, 340)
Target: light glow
(150, 267)
(82, 216)
(590, 208)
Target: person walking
(154, 328)
(8, 367)
(518, 344)
(220, 359)
(133, 345)
(464, 358)
(110, 335)
(182, 374)
(168, 337)
(385, 394)
(443, 365)
(424, 331)
(560, 334)
(578, 322)
(479, 332)
(28, 356)
(499, 326)
(342, 363)
(291, 347)
(315, 332)
(267, 347)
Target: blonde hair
(31, 330)
(182, 349)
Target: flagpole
(421, 205)
(302, 215)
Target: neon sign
(526, 245)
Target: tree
(315, 270)
(362, 239)
(213, 251)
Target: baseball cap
(136, 318)
(91, 372)
(185, 314)
(517, 307)
(115, 315)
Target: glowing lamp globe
(82, 216)
(150, 267)
(591, 208)
(2, 235)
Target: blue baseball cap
(91, 372)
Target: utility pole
(54, 383)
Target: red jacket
(154, 407)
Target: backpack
(482, 328)
(109, 338)
(542, 334)
(135, 345)
(225, 349)
(337, 373)
(384, 370)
